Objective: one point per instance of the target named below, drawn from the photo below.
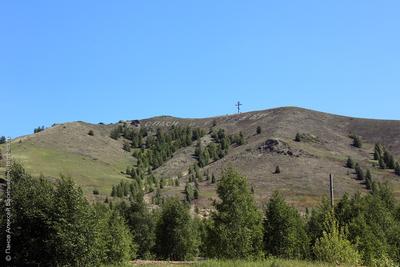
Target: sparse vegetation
(385, 158)
(350, 163)
(368, 180)
(91, 133)
(297, 137)
(127, 147)
(356, 141)
(277, 170)
(359, 172)
(306, 137)
(369, 221)
(38, 129)
(2, 140)
(258, 130)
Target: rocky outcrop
(279, 147)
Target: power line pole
(238, 104)
(331, 189)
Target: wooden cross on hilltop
(238, 104)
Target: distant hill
(98, 161)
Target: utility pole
(238, 104)
(331, 189)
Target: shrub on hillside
(333, 247)
(356, 141)
(38, 129)
(277, 170)
(297, 137)
(350, 163)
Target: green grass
(237, 263)
(263, 263)
(85, 171)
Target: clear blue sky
(110, 60)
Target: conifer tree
(378, 152)
(359, 172)
(189, 192)
(357, 141)
(298, 137)
(368, 180)
(350, 163)
(277, 169)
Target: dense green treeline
(361, 229)
(54, 225)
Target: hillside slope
(98, 161)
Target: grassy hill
(98, 161)
(92, 161)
